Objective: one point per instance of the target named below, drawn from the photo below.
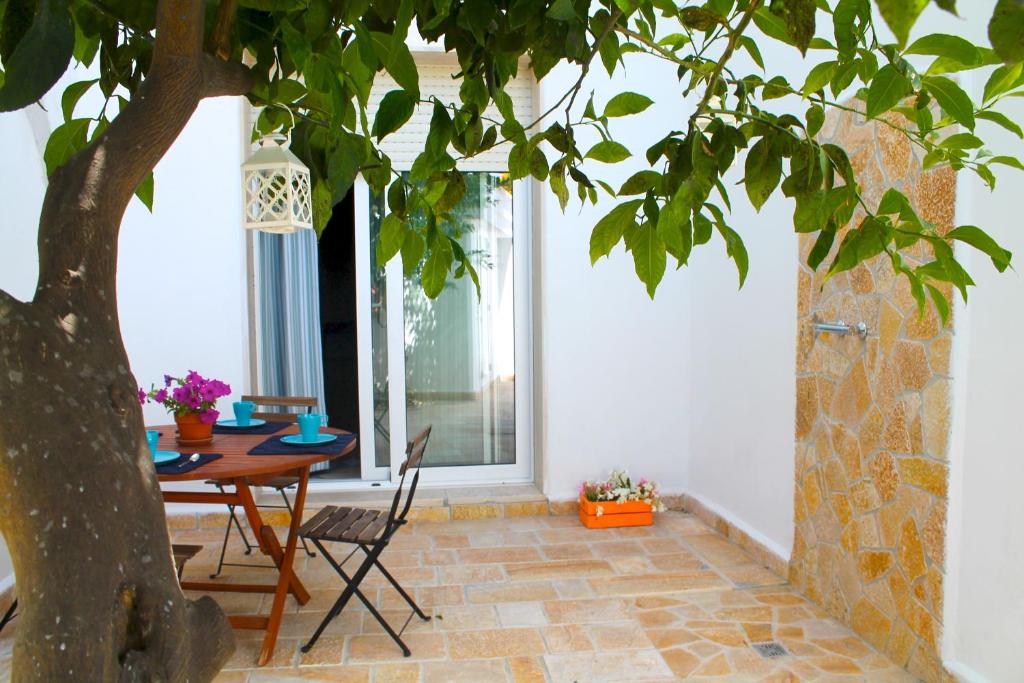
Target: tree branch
(220, 37)
(224, 78)
(730, 48)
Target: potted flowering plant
(192, 401)
(618, 501)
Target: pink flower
(160, 396)
(142, 396)
(209, 416)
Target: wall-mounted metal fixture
(839, 327)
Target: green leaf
(649, 257)
(821, 247)
(435, 270)
(763, 172)
(819, 77)
(392, 236)
(772, 26)
(675, 218)
(609, 152)
(1002, 120)
(1002, 80)
(844, 17)
(412, 252)
(961, 141)
(608, 231)
(750, 45)
(145, 191)
(1007, 161)
(901, 15)
(1006, 31)
(943, 45)
(41, 56)
(64, 141)
(888, 88)
(861, 244)
(798, 15)
(398, 62)
(562, 10)
(395, 109)
(735, 249)
(941, 305)
(627, 103)
(951, 97)
(72, 94)
(815, 120)
(640, 182)
(982, 241)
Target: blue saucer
(160, 457)
(296, 439)
(233, 424)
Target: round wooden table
(242, 471)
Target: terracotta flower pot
(612, 514)
(191, 428)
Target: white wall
(984, 610)
(181, 269)
(743, 382)
(614, 365)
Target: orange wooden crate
(633, 513)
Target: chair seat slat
(325, 530)
(372, 531)
(316, 520)
(351, 533)
(343, 523)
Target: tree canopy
(313, 63)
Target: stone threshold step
(431, 504)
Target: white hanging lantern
(278, 196)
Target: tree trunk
(80, 506)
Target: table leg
(287, 580)
(267, 539)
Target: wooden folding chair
(306, 404)
(369, 531)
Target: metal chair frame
(372, 547)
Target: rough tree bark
(80, 507)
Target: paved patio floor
(543, 599)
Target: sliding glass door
(459, 363)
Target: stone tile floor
(538, 599)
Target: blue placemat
(266, 428)
(177, 466)
(274, 446)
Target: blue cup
(152, 437)
(309, 426)
(243, 412)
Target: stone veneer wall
(872, 427)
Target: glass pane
(460, 349)
(379, 340)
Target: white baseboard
(965, 673)
(744, 527)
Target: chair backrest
(285, 402)
(414, 452)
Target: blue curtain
(291, 359)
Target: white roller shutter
(435, 81)
(404, 145)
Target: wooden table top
(236, 461)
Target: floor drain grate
(770, 650)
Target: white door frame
(522, 470)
